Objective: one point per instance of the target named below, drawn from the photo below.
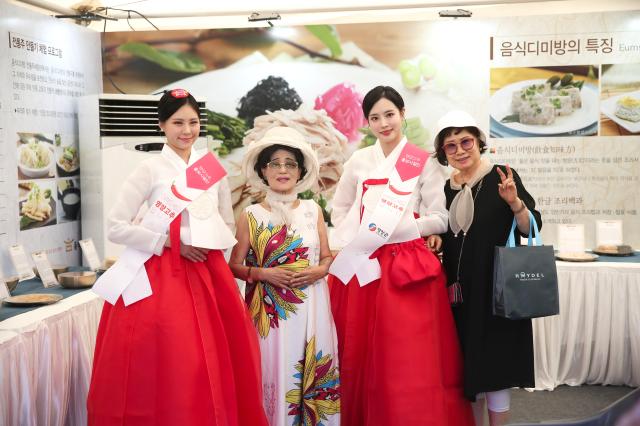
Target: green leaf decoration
(306, 195)
(328, 35)
(229, 130)
(368, 139)
(26, 221)
(174, 61)
(415, 132)
(513, 118)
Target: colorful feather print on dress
(271, 247)
(317, 395)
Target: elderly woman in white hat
(283, 255)
(482, 200)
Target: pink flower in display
(344, 105)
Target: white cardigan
(145, 184)
(428, 199)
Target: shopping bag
(525, 280)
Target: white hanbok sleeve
(346, 192)
(135, 191)
(434, 218)
(225, 206)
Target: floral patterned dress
(298, 341)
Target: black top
(498, 352)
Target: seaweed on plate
(271, 94)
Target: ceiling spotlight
(258, 16)
(85, 18)
(457, 13)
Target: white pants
(497, 401)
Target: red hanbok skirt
(400, 359)
(187, 355)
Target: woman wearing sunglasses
(283, 256)
(482, 200)
(187, 353)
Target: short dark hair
(446, 132)
(378, 93)
(265, 157)
(168, 105)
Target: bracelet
(249, 280)
(522, 207)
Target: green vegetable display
(564, 81)
(229, 130)
(69, 153)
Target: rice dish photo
(542, 103)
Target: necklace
(455, 289)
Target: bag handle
(533, 228)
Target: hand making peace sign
(507, 188)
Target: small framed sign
(608, 232)
(4, 289)
(21, 262)
(44, 269)
(571, 238)
(90, 254)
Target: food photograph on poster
(544, 101)
(67, 156)
(620, 100)
(35, 156)
(37, 204)
(68, 200)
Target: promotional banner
(559, 96)
(47, 63)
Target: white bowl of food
(34, 159)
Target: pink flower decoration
(344, 105)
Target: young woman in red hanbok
(400, 360)
(188, 353)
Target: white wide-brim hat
(281, 136)
(457, 118)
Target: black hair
(448, 131)
(265, 157)
(168, 105)
(378, 93)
